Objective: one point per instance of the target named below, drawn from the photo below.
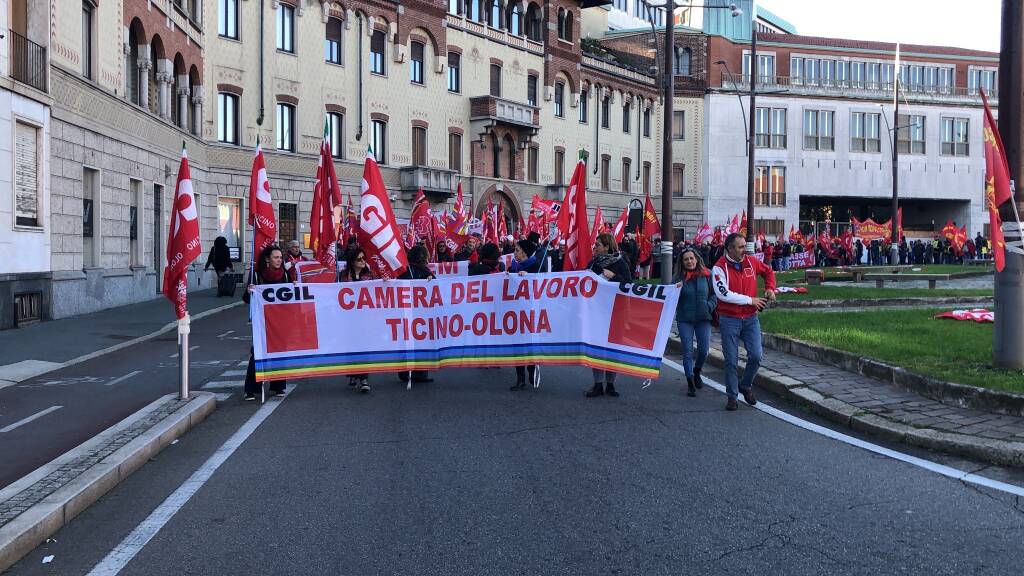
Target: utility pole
(668, 75)
(1008, 344)
(894, 249)
(750, 132)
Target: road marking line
(24, 421)
(942, 469)
(225, 334)
(244, 363)
(235, 372)
(224, 384)
(193, 347)
(120, 556)
(123, 378)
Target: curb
(33, 526)
(122, 345)
(950, 393)
(989, 450)
(867, 303)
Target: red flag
(949, 230)
(326, 197)
(644, 246)
(959, 239)
(261, 205)
(997, 183)
(598, 225)
(743, 224)
(651, 226)
(572, 221)
(702, 234)
(182, 240)
(899, 223)
(461, 215)
(717, 239)
(422, 224)
(620, 225)
(379, 236)
(502, 224)
(734, 226)
(792, 234)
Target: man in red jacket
(735, 281)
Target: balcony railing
(859, 88)
(502, 110)
(434, 181)
(28, 61)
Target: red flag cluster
(572, 221)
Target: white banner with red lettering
(566, 318)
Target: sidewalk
(883, 409)
(39, 348)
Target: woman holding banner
(357, 271)
(610, 265)
(697, 303)
(269, 270)
(418, 269)
(524, 261)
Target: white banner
(567, 318)
(460, 268)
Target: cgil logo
(654, 291)
(287, 294)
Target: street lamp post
(668, 88)
(750, 135)
(1008, 336)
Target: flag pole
(184, 327)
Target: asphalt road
(98, 393)
(462, 476)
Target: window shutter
(26, 179)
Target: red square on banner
(290, 327)
(634, 321)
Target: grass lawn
(840, 292)
(947, 349)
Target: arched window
(133, 67)
(533, 23)
(419, 146)
(511, 149)
(494, 16)
(416, 62)
(568, 26)
(515, 19)
(561, 23)
(378, 43)
(495, 157)
(332, 41)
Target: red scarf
(697, 274)
(273, 276)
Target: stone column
(197, 111)
(182, 119)
(128, 71)
(143, 73)
(163, 83)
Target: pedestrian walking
(269, 270)
(697, 303)
(418, 269)
(610, 265)
(524, 261)
(356, 270)
(735, 282)
(220, 257)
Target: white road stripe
(218, 384)
(225, 334)
(123, 378)
(244, 363)
(120, 556)
(234, 372)
(942, 469)
(24, 421)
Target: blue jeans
(733, 331)
(785, 263)
(687, 331)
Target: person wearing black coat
(609, 264)
(220, 257)
(488, 261)
(269, 270)
(418, 269)
(524, 261)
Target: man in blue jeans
(735, 283)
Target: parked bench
(814, 277)
(881, 279)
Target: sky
(960, 23)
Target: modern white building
(24, 162)
(824, 132)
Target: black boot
(597, 390)
(519, 385)
(691, 389)
(609, 390)
(697, 382)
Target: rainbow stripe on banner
(565, 354)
